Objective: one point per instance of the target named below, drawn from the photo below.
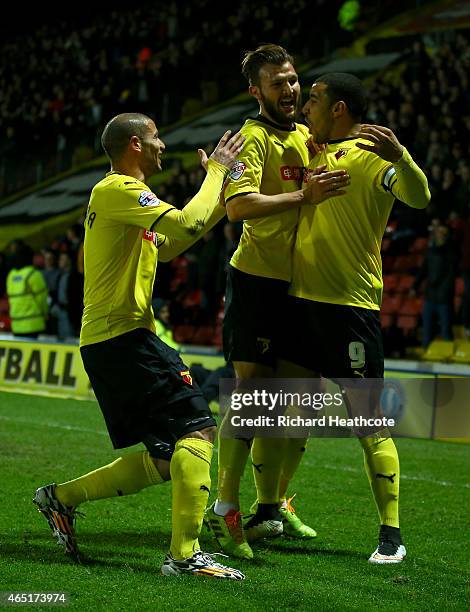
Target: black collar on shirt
(342, 139)
(263, 119)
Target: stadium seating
(386, 321)
(407, 324)
(461, 352)
(439, 350)
(391, 304)
(405, 283)
(390, 282)
(5, 323)
(4, 307)
(419, 245)
(411, 306)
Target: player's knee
(163, 467)
(208, 434)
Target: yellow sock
(267, 455)
(233, 454)
(128, 474)
(383, 470)
(293, 453)
(190, 474)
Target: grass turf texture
(125, 539)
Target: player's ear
(339, 108)
(135, 144)
(254, 91)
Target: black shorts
(333, 340)
(253, 305)
(145, 392)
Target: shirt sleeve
(191, 221)
(133, 203)
(247, 171)
(406, 181)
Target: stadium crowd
(423, 104)
(59, 83)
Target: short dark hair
(346, 87)
(118, 132)
(265, 54)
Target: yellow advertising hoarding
(431, 406)
(54, 369)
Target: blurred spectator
(69, 305)
(439, 272)
(3, 274)
(161, 310)
(51, 274)
(465, 268)
(27, 294)
(208, 380)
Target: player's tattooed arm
(191, 221)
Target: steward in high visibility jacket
(27, 295)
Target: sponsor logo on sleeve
(237, 170)
(150, 236)
(291, 173)
(148, 198)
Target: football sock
(267, 455)
(233, 453)
(128, 474)
(221, 508)
(264, 512)
(293, 453)
(383, 470)
(190, 474)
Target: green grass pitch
(124, 540)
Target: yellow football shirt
(337, 248)
(120, 258)
(272, 162)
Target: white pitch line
(442, 483)
(56, 425)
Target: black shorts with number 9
(334, 340)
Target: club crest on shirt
(237, 170)
(186, 376)
(148, 198)
(341, 153)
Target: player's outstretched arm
(190, 223)
(256, 205)
(171, 247)
(406, 181)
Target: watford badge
(186, 376)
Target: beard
(277, 115)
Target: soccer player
(143, 388)
(264, 192)
(336, 289)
